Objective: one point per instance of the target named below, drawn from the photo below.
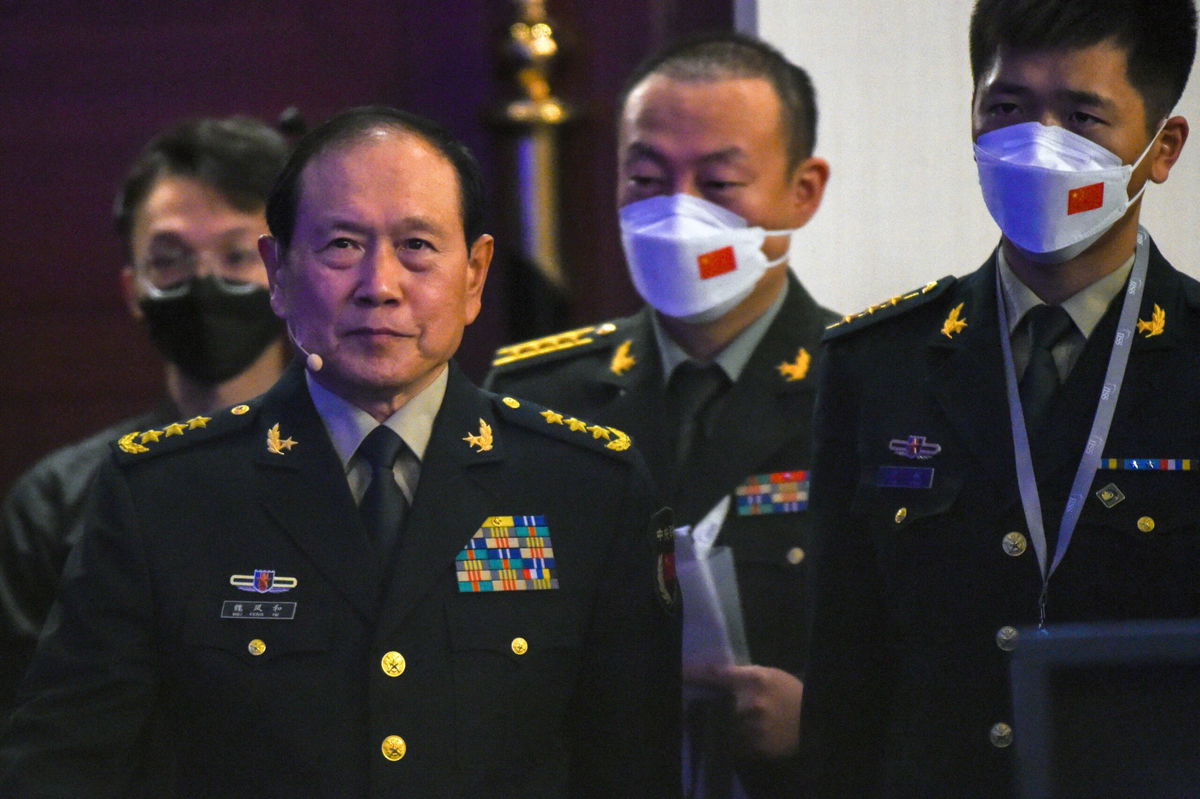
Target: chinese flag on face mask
(1085, 198)
(717, 262)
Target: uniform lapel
(967, 379)
(459, 488)
(305, 490)
(637, 399)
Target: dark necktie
(692, 393)
(1047, 325)
(383, 506)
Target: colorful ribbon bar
(777, 492)
(1149, 464)
(508, 553)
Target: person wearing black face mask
(189, 212)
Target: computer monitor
(1108, 710)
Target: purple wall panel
(84, 84)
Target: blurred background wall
(85, 84)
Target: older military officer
(375, 579)
(1011, 448)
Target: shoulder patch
(895, 306)
(141, 444)
(580, 340)
(562, 425)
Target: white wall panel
(903, 203)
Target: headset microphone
(313, 361)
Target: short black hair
(1158, 36)
(723, 55)
(356, 123)
(238, 156)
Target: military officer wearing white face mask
(714, 378)
(1013, 448)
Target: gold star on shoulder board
(277, 445)
(482, 439)
(576, 425)
(622, 361)
(198, 421)
(796, 369)
(174, 429)
(150, 435)
(599, 432)
(1158, 322)
(954, 324)
(552, 417)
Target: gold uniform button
(1001, 735)
(393, 664)
(520, 646)
(605, 329)
(1146, 524)
(901, 515)
(238, 410)
(1006, 638)
(795, 555)
(510, 402)
(1015, 545)
(256, 647)
(394, 748)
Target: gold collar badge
(275, 444)
(482, 439)
(954, 324)
(622, 361)
(797, 369)
(1154, 327)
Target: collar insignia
(954, 324)
(275, 444)
(797, 369)
(622, 361)
(1154, 327)
(482, 439)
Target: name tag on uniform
(904, 477)
(508, 553)
(777, 492)
(237, 609)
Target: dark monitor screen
(1108, 710)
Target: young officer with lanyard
(1013, 448)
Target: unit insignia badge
(1154, 327)
(914, 448)
(622, 361)
(263, 581)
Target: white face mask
(1052, 192)
(692, 259)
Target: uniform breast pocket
(255, 641)
(515, 660)
(895, 499)
(1146, 505)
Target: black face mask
(211, 333)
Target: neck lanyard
(1118, 359)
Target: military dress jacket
(41, 519)
(922, 567)
(225, 614)
(759, 455)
